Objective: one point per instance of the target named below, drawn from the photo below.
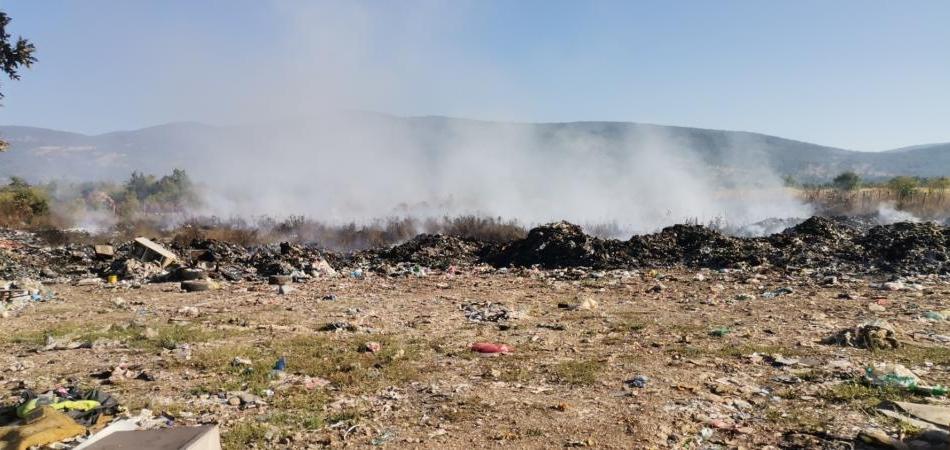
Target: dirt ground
(725, 367)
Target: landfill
(830, 334)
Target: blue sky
(866, 75)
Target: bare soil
(707, 350)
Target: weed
(583, 372)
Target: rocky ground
(645, 357)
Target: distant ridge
(45, 154)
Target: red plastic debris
(488, 347)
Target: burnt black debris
(562, 244)
(824, 245)
(435, 251)
(908, 247)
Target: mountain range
(40, 154)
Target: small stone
(241, 362)
(188, 311)
(372, 347)
(893, 286)
(874, 307)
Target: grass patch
(168, 335)
(514, 368)
(245, 435)
(463, 410)
(339, 359)
(583, 372)
(863, 395)
(913, 355)
(801, 420)
(686, 351)
(738, 351)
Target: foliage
(13, 55)
(789, 181)
(847, 181)
(940, 183)
(142, 196)
(903, 186)
(21, 203)
(171, 192)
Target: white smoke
(887, 213)
(300, 153)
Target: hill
(45, 154)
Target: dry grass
(927, 203)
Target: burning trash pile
(826, 245)
(563, 244)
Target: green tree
(903, 186)
(13, 55)
(789, 181)
(847, 181)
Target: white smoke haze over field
(361, 166)
(309, 153)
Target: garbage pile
(819, 243)
(825, 245)
(909, 247)
(562, 244)
(434, 251)
(16, 295)
(696, 246)
(73, 418)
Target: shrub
(903, 186)
(847, 181)
(22, 204)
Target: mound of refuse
(562, 244)
(435, 251)
(696, 246)
(827, 245)
(909, 248)
(818, 242)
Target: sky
(863, 75)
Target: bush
(847, 181)
(903, 187)
(22, 204)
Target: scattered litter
(875, 334)
(485, 312)
(585, 304)
(720, 332)
(146, 250)
(778, 292)
(639, 381)
(205, 437)
(372, 347)
(934, 315)
(488, 347)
